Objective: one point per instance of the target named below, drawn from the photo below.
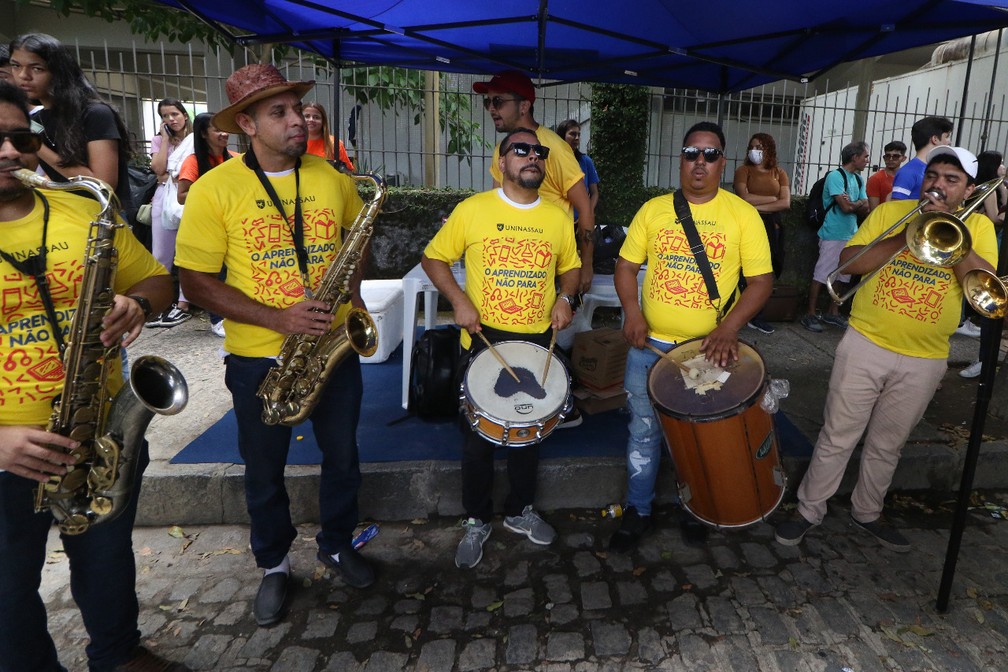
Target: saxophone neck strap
(297, 232)
(34, 265)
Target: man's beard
(531, 181)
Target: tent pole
(990, 94)
(962, 105)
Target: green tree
(619, 148)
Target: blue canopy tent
(716, 45)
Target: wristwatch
(144, 304)
(573, 301)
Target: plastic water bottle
(613, 511)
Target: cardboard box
(599, 358)
(599, 401)
(782, 306)
(384, 301)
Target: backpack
(608, 241)
(142, 183)
(815, 211)
(433, 390)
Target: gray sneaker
(836, 320)
(470, 549)
(792, 531)
(886, 534)
(532, 526)
(812, 323)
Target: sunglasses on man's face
(25, 142)
(496, 102)
(525, 148)
(892, 157)
(710, 154)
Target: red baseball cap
(509, 80)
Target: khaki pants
(876, 392)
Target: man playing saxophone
(274, 219)
(42, 261)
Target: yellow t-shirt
(562, 169)
(229, 219)
(674, 298)
(911, 307)
(513, 253)
(32, 372)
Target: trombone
(936, 238)
(986, 292)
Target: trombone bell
(986, 293)
(939, 239)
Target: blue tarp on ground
(716, 45)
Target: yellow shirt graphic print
(514, 285)
(678, 282)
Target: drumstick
(499, 358)
(549, 357)
(692, 373)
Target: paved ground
(837, 603)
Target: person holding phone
(175, 127)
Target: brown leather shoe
(145, 661)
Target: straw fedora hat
(251, 84)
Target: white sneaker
(218, 328)
(972, 371)
(967, 328)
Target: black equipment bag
(608, 241)
(433, 389)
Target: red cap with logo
(509, 80)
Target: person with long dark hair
(320, 139)
(570, 131)
(82, 134)
(167, 148)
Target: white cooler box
(384, 300)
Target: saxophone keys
(72, 480)
(75, 523)
(101, 505)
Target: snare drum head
(491, 389)
(670, 394)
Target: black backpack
(433, 389)
(608, 241)
(815, 211)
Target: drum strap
(685, 219)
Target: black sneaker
(633, 527)
(792, 531)
(886, 534)
(693, 532)
(573, 419)
(174, 316)
(351, 565)
(760, 325)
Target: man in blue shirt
(845, 190)
(926, 134)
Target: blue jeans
(102, 581)
(264, 449)
(645, 443)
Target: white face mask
(756, 156)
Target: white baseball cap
(967, 161)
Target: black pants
(478, 453)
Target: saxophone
(291, 389)
(99, 483)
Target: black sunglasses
(710, 154)
(496, 102)
(892, 156)
(23, 141)
(525, 148)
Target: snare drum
(723, 443)
(511, 413)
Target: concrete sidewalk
(212, 493)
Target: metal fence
(390, 130)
